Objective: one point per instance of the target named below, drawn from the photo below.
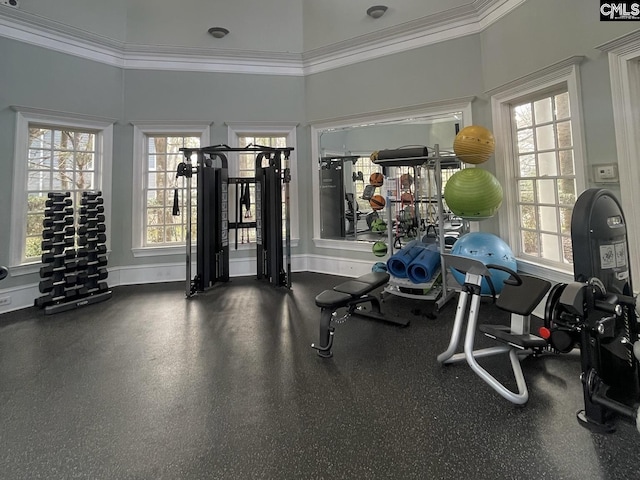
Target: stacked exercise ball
(377, 202)
(474, 144)
(379, 249)
(473, 193)
(376, 179)
(488, 249)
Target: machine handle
(514, 280)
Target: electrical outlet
(5, 301)
(10, 3)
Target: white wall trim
(454, 23)
(24, 296)
(624, 70)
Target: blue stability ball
(379, 267)
(488, 249)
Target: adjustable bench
(350, 295)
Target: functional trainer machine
(212, 192)
(598, 312)
(520, 295)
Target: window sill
(349, 245)
(553, 274)
(181, 249)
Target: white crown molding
(458, 22)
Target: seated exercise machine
(351, 295)
(598, 313)
(519, 296)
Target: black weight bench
(350, 295)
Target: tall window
(59, 160)
(156, 231)
(55, 153)
(545, 176)
(540, 164)
(243, 165)
(162, 156)
(247, 168)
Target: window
(156, 157)
(545, 176)
(243, 165)
(163, 155)
(540, 165)
(55, 153)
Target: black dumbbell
(91, 211)
(58, 202)
(50, 222)
(50, 256)
(98, 218)
(58, 212)
(50, 245)
(87, 230)
(91, 201)
(58, 194)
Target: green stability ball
(379, 249)
(473, 194)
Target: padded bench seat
(503, 334)
(332, 299)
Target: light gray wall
(106, 19)
(38, 78)
(205, 97)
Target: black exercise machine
(519, 296)
(598, 312)
(3, 273)
(351, 295)
(212, 190)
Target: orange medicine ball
(377, 202)
(376, 179)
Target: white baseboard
(25, 295)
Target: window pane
(543, 110)
(522, 115)
(527, 165)
(528, 217)
(566, 162)
(548, 219)
(565, 220)
(526, 193)
(547, 164)
(530, 243)
(546, 191)
(564, 135)
(545, 137)
(566, 191)
(550, 247)
(562, 106)
(525, 140)
(567, 250)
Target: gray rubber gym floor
(150, 385)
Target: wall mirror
(345, 183)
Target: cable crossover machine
(213, 183)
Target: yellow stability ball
(474, 144)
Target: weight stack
(58, 279)
(92, 249)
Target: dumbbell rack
(70, 278)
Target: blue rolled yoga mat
(399, 262)
(422, 268)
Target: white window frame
(103, 174)
(140, 132)
(235, 130)
(564, 74)
(624, 71)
